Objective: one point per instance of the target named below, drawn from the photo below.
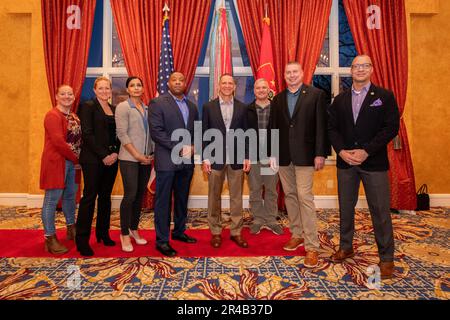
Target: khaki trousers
(215, 185)
(265, 210)
(297, 182)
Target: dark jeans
(376, 187)
(135, 177)
(167, 182)
(98, 181)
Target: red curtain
(67, 29)
(379, 30)
(139, 26)
(298, 29)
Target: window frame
(334, 70)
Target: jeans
(52, 197)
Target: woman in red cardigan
(59, 158)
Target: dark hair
(131, 79)
(227, 75)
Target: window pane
(324, 59)
(323, 82)
(87, 91)
(199, 92)
(95, 59)
(205, 52)
(238, 50)
(345, 83)
(244, 89)
(119, 93)
(117, 55)
(347, 49)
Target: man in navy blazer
(225, 115)
(362, 121)
(174, 163)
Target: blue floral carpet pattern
(422, 266)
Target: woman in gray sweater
(135, 155)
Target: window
(105, 55)
(242, 71)
(332, 73)
(333, 70)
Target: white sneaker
(135, 235)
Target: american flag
(165, 58)
(165, 69)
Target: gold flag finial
(166, 11)
(266, 18)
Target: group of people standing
(359, 124)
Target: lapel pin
(372, 93)
(304, 91)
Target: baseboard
(324, 202)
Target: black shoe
(85, 250)
(184, 238)
(106, 240)
(82, 244)
(166, 250)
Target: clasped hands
(110, 159)
(354, 157)
(144, 160)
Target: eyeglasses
(364, 66)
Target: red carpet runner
(30, 243)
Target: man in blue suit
(173, 161)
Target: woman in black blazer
(98, 159)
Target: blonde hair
(102, 79)
(261, 80)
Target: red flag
(221, 59)
(266, 69)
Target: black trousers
(135, 178)
(98, 182)
(376, 187)
(167, 182)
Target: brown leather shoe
(293, 244)
(53, 246)
(216, 241)
(341, 255)
(311, 259)
(386, 269)
(239, 241)
(71, 232)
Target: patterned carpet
(422, 267)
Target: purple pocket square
(377, 103)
